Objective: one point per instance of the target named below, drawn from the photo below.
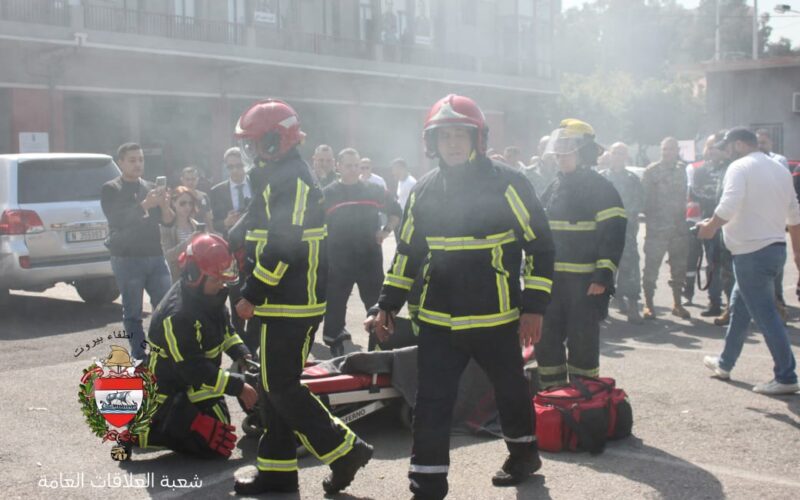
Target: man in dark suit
(230, 198)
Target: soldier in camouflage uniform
(665, 188)
(630, 190)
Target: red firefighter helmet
(455, 110)
(207, 255)
(268, 130)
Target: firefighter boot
(344, 469)
(267, 482)
(633, 312)
(649, 310)
(677, 308)
(517, 469)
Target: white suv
(52, 228)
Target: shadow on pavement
(668, 475)
(28, 317)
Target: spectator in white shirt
(405, 181)
(366, 175)
(758, 201)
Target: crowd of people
(490, 254)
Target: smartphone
(161, 181)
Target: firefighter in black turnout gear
(285, 289)
(473, 218)
(352, 210)
(588, 223)
(189, 331)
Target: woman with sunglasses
(175, 238)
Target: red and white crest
(119, 398)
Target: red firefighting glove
(219, 436)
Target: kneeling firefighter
(588, 223)
(189, 331)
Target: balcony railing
(163, 25)
(134, 21)
(54, 12)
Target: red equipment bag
(582, 415)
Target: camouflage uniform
(629, 188)
(665, 191)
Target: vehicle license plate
(86, 235)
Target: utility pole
(755, 29)
(716, 34)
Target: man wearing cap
(757, 203)
(588, 222)
(664, 184)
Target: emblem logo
(120, 392)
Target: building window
(365, 23)
(423, 22)
(394, 21)
(184, 8)
(236, 11)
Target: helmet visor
(562, 142)
(230, 274)
(249, 149)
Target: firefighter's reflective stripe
(501, 279)
(263, 352)
(538, 283)
(300, 201)
(220, 414)
(266, 194)
(271, 465)
(209, 392)
(306, 347)
(290, 311)
(313, 265)
(213, 352)
(313, 234)
(521, 439)
(565, 225)
(429, 469)
(606, 264)
(591, 372)
(520, 212)
(398, 281)
(467, 322)
(399, 267)
(552, 370)
(609, 213)
(172, 342)
(338, 452)
(569, 267)
(470, 243)
(407, 231)
(268, 277)
(231, 339)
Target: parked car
(52, 228)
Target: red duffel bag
(582, 415)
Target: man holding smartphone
(134, 209)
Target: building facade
(87, 75)
(759, 94)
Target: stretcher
(351, 396)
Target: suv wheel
(97, 291)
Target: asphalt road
(694, 436)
